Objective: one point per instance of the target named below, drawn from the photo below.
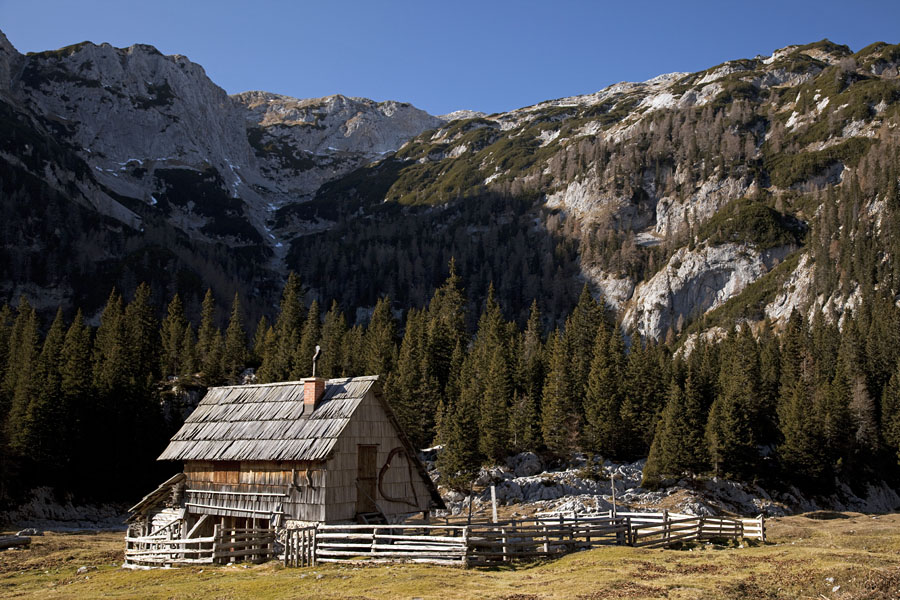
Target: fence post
(666, 526)
(314, 546)
(494, 502)
(215, 543)
(762, 528)
(629, 532)
(465, 533)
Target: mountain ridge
(627, 177)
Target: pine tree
(678, 445)
(403, 383)
(493, 425)
(77, 402)
(730, 433)
(643, 399)
(43, 426)
(380, 348)
(581, 332)
(446, 325)
(109, 355)
(6, 327)
(525, 424)
(352, 354)
(172, 335)
(213, 374)
(801, 451)
(309, 338)
(558, 421)
(459, 460)
(277, 362)
(22, 362)
(142, 344)
(890, 413)
(769, 376)
(603, 400)
(259, 342)
(207, 331)
(234, 355)
(333, 331)
(189, 362)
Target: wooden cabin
(311, 451)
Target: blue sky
(489, 55)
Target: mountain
(687, 201)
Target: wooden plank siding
(370, 425)
(256, 488)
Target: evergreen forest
(86, 410)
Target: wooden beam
(197, 526)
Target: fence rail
(225, 545)
(487, 543)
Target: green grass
(859, 552)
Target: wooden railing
(542, 538)
(486, 543)
(437, 544)
(225, 545)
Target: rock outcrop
(694, 282)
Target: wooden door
(366, 479)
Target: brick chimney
(313, 388)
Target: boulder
(525, 464)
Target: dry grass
(806, 558)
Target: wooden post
(762, 528)
(494, 501)
(666, 526)
(215, 543)
(562, 533)
(465, 534)
(612, 486)
(505, 549)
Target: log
(14, 541)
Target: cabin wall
(256, 488)
(370, 425)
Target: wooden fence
(485, 543)
(437, 544)
(300, 546)
(542, 538)
(225, 545)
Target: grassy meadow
(825, 555)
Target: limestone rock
(525, 464)
(694, 282)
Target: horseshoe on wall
(387, 464)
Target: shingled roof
(267, 422)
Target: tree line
(87, 409)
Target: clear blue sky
(488, 55)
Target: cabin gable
(371, 465)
